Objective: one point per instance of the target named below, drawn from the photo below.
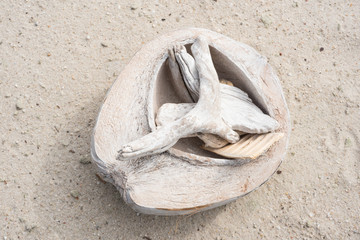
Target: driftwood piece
(205, 117)
(177, 80)
(165, 184)
(239, 111)
(220, 109)
(189, 72)
(190, 77)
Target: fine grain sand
(58, 58)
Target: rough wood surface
(166, 184)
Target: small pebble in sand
(20, 104)
(75, 194)
(104, 45)
(347, 142)
(85, 161)
(134, 6)
(65, 142)
(266, 21)
(321, 49)
(42, 85)
(29, 228)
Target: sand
(58, 58)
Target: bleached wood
(190, 78)
(170, 112)
(166, 184)
(236, 106)
(220, 110)
(205, 117)
(177, 80)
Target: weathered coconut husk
(186, 178)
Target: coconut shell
(186, 178)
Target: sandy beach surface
(58, 58)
